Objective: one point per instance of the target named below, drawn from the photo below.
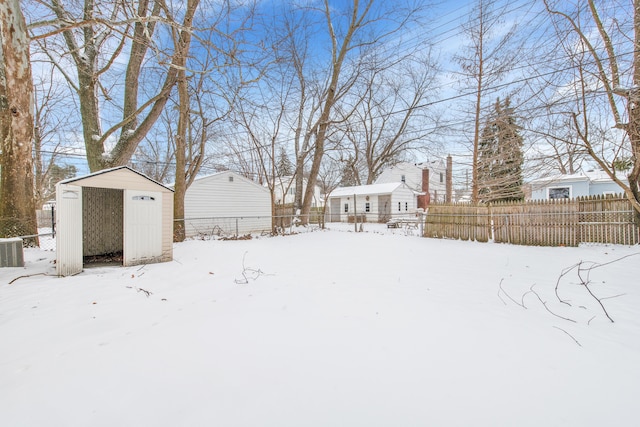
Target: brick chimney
(423, 201)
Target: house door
(142, 227)
(69, 230)
(384, 208)
(335, 210)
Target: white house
(285, 191)
(413, 175)
(375, 202)
(226, 203)
(586, 183)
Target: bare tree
(390, 115)
(17, 209)
(94, 35)
(349, 34)
(51, 121)
(603, 45)
(485, 61)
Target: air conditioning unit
(11, 252)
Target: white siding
(70, 226)
(238, 204)
(142, 227)
(69, 230)
(413, 177)
(401, 194)
(406, 199)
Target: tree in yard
(17, 208)
(89, 37)
(284, 167)
(500, 157)
(351, 33)
(601, 41)
(484, 62)
(390, 114)
(350, 174)
(55, 173)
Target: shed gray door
(335, 210)
(142, 227)
(69, 229)
(384, 208)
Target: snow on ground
(333, 328)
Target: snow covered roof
(361, 190)
(590, 176)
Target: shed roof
(371, 189)
(101, 179)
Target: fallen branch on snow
(249, 273)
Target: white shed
(375, 202)
(228, 203)
(115, 215)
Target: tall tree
(351, 34)
(51, 121)
(500, 157)
(390, 113)
(94, 35)
(17, 208)
(284, 167)
(601, 40)
(484, 62)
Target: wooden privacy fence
(597, 219)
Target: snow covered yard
(333, 328)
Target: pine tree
(500, 157)
(349, 173)
(284, 167)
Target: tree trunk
(180, 186)
(17, 208)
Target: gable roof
(97, 176)
(361, 190)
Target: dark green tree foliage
(349, 173)
(284, 167)
(500, 157)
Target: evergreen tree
(500, 157)
(349, 173)
(284, 167)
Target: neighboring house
(375, 202)
(285, 191)
(589, 183)
(228, 203)
(413, 175)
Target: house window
(403, 178)
(230, 179)
(559, 193)
(367, 207)
(406, 206)
(441, 177)
(346, 208)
